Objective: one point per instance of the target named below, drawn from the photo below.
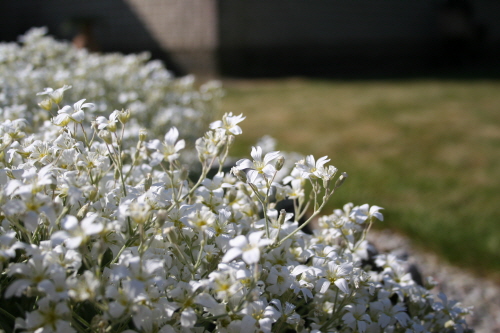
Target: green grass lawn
(428, 151)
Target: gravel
(456, 283)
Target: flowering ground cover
(109, 226)
(427, 150)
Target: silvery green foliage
(104, 234)
(110, 81)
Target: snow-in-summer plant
(110, 81)
(103, 234)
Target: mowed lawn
(428, 151)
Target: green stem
(7, 314)
(198, 260)
(316, 212)
(84, 136)
(130, 241)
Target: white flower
(55, 95)
(362, 213)
(388, 314)
(49, 317)
(31, 273)
(311, 168)
(154, 252)
(259, 166)
(265, 314)
(77, 233)
(248, 248)
(110, 124)
(56, 288)
(338, 274)
(68, 114)
(279, 280)
(201, 219)
(291, 317)
(84, 287)
(229, 123)
(356, 317)
(168, 149)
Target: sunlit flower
(248, 248)
(72, 114)
(55, 95)
(76, 233)
(259, 166)
(315, 169)
(229, 123)
(99, 237)
(168, 149)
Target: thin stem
(7, 314)
(204, 173)
(223, 159)
(84, 135)
(130, 241)
(198, 260)
(316, 212)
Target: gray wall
(338, 36)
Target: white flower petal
(231, 254)
(251, 256)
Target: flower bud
(231, 195)
(430, 283)
(83, 211)
(46, 104)
(240, 174)
(105, 135)
(279, 163)
(148, 182)
(124, 116)
(161, 217)
(93, 194)
(230, 139)
(184, 173)
(136, 161)
(10, 174)
(57, 95)
(341, 180)
(111, 127)
(143, 134)
(220, 147)
(244, 189)
(281, 218)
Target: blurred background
(402, 95)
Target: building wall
(334, 37)
(188, 28)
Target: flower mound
(109, 81)
(103, 233)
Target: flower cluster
(107, 234)
(110, 81)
